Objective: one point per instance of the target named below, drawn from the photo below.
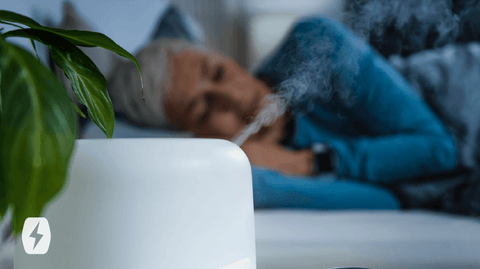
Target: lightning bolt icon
(36, 235)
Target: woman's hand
(277, 157)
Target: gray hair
(124, 86)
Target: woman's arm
(406, 139)
(272, 189)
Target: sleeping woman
(359, 129)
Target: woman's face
(211, 95)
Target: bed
(295, 238)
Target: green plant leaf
(6, 15)
(94, 39)
(3, 187)
(79, 111)
(1, 90)
(78, 38)
(88, 83)
(34, 48)
(38, 129)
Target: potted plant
(38, 125)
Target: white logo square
(36, 236)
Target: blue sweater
(389, 134)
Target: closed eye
(219, 73)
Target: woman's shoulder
(320, 28)
(319, 24)
(315, 21)
(312, 37)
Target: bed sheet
(295, 238)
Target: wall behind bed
(269, 20)
(243, 29)
(128, 23)
(131, 22)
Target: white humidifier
(170, 203)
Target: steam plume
(315, 70)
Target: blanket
(448, 79)
(405, 27)
(437, 50)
